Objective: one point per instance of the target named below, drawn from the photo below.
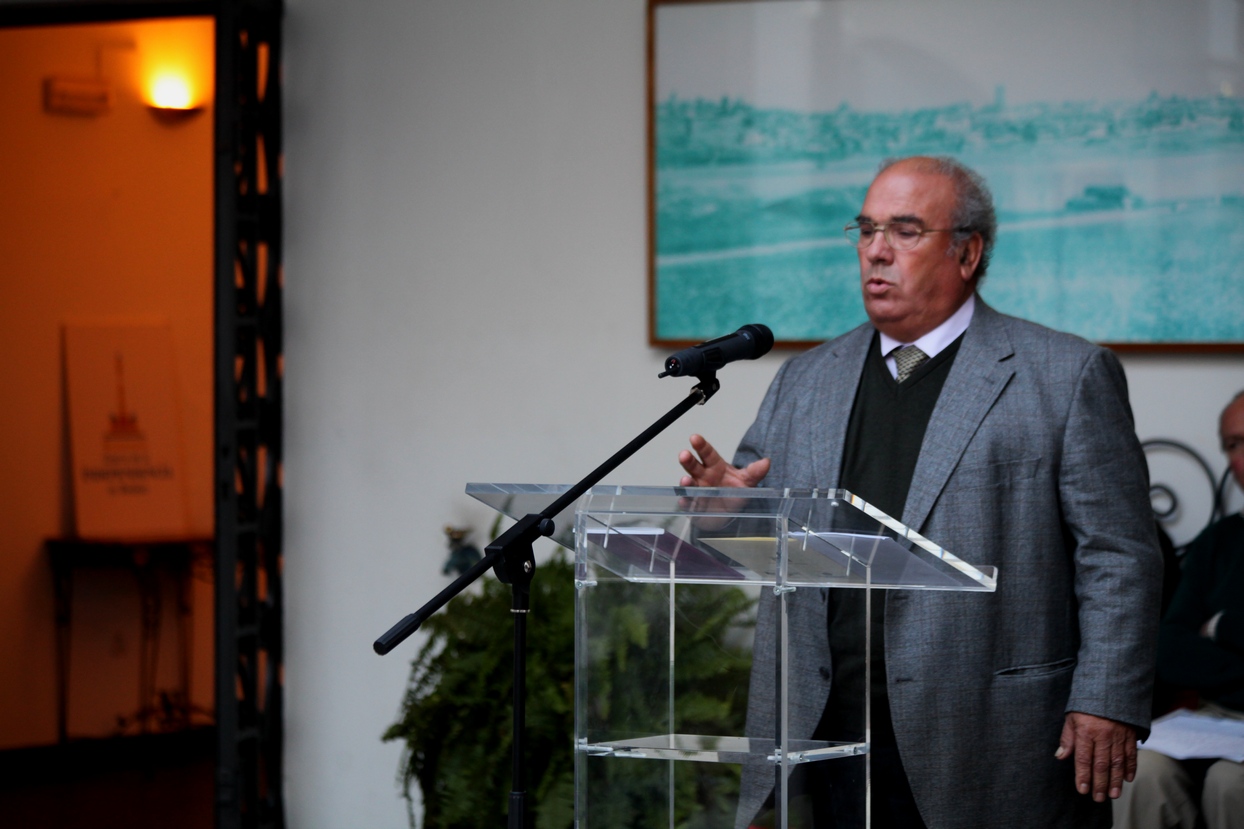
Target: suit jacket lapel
(843, 367)
(979, 374)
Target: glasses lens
(903, 235)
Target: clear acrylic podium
(673, 585)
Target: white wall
(466, 302)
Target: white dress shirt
(934, 342)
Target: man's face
(908, 293)
(1231, 430)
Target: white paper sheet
(1185, 734)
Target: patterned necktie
(908, 359)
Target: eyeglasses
(898, 235)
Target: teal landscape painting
(1122, 222)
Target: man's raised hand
(704, 467)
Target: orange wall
(102, 218)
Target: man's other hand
(704, 467)
(1104, 751)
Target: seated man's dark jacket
(1212, 581)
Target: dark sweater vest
(884, 435)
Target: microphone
(748, 343)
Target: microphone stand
(510, 556)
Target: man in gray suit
(1010, 444)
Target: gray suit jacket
(1030, 463)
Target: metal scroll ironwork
(1163, 497)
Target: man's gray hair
(973, 212)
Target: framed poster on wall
(125, 432)
(1111, 134)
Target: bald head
(972, 211)
(1231, 431)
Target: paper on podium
(653, 552)
(1185, 735)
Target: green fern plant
(455, 718)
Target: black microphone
(748, 343)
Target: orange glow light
(176, 59)
(171, 91)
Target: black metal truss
(249, 605)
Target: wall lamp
(174, 73)
(170, 96)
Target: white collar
(934, 342)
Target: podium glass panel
(671, 584)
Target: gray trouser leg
(1223, 798)
(1158, 798)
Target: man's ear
(970, 257)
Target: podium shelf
(715, 749)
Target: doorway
(121, 215)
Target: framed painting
(1111, 134)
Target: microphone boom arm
(501, 553)
(510, 555)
